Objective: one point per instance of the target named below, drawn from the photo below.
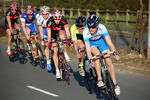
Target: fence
(74, 13)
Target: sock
(99, 78)
(48, 61)
(57, 70)
(115, 82)
(8, 48)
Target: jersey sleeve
(73, 33)
(48, 24)
(23, 17)
(36, 14)
(8, 13)
(85, 35)
(39, 21)
(64, 22)
(104, 30)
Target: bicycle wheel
(65, 70)
(31, 55)
(41, 56)
(21, 53)
(87, 76)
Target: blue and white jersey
(101, 31)
(24, 18)
(41, 21)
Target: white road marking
(43, 91)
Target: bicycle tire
(41, 57)
(31, 55)
(65, 70)
(87, 76)
(21, 52)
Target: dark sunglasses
(14, 9)
(80, 28)
(91, 26)
(29, 14)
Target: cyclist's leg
(61, 34)
(9, 39)
(17, 26)
(46, 49)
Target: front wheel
(21, 53)
(41, 56)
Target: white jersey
(41, 21)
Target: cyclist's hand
(49, 44)
(69, 42)
(78, 55)
(11, 30)
(116, 57)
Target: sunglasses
(45, 13)
(80, 28)
(14, 9)
(91, 27)
(30, 15)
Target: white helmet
(45, 8)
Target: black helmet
(93, 20)
(80, 21)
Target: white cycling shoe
(117, 90)
(100, 83)
(67, 57)
(58, 75)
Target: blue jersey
(101, 31)
(24, 18)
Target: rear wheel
(21, 53)
(41, 56)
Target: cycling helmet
(14, 5)
(29, 10)
(57, 14)
(80, 21)
(45, 8)
(93, 20)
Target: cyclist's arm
(9, 22)
(49, 34)
(74, 39)
(67, 30)
(24, 28)
(88, 50)
(41, 32)
(110, 44)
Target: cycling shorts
(12, 23)
(54, 33)
(32, 28)
(80, 37)
(100, 43)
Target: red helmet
(14, 5)
(29, 10)
(57, 14)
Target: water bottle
(87, 62)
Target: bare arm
(110, 44)
(67, 32)
(49, 34)
(9, 23)
(75, 46)
(41, 32)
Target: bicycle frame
(34, 40)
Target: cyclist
(77, 38)
(97, 40)
(58, 25)
(27, 21)
(11, 23)
(42, 20)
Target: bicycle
(35, 51)
(109, 87)
(90, 73)
(62, 63)
(17, 47)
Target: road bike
(62, 63)
(35, 51)
(109, 87)
(90, 73)
(17, 48)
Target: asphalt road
(26, 82)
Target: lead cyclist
(96, 35)
(41, 21)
